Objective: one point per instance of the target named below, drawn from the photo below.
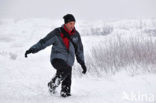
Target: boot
(53, 84)
(65, 91)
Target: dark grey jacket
(59, 50)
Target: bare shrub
(151, 32)
(105, 30)
(117, 53)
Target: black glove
(84, 68)
(31, 50)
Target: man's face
(70, 25)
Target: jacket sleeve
(79, 51)
(48, 40)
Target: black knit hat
(68, 18)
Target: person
(67, 44)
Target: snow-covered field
(118, 75)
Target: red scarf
(65, 39)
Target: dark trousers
(64, 71)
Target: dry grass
(117, 53)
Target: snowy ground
(25, 79)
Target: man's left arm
(80, 54)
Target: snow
(25, 79)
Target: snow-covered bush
(105, 30)
(116, 53)
(150, 31)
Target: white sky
(82, 9)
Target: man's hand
(84, 68)
(29, 51)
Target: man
(66, 43)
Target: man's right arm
(43, 43)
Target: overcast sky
(82, 9)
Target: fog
(82, 9)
